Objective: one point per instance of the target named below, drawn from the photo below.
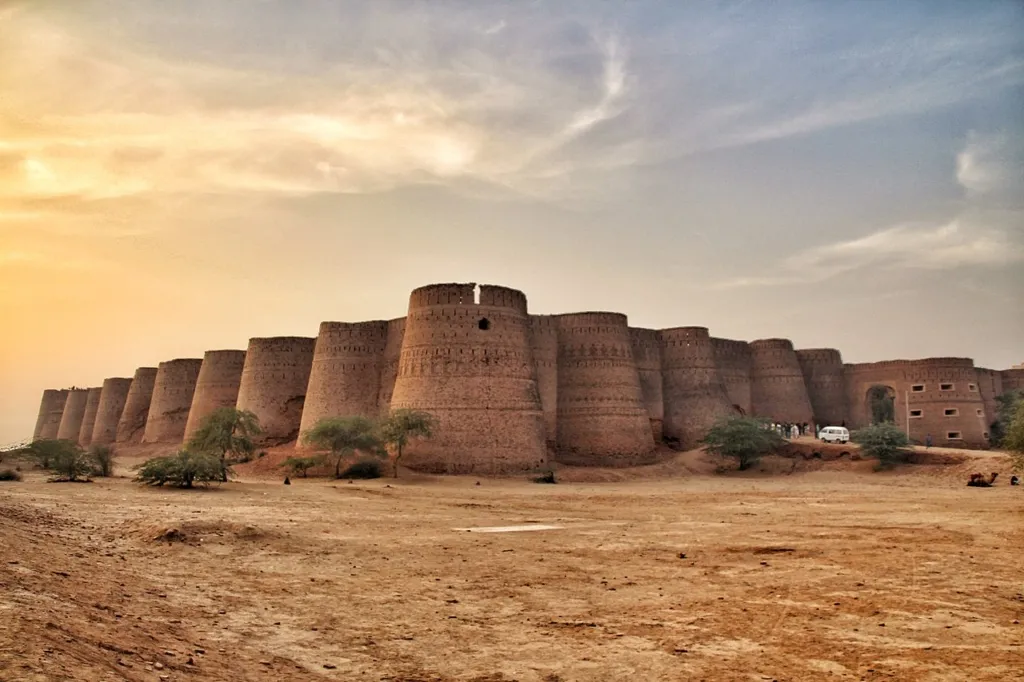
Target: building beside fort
(513, 391)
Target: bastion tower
(74, 411)
(777, 389)
(346, 372)
(733, 359)
(112, 401)
(647, 355)
(544, 344)
(602, 419)
(274, 382)
(92, 404)
(823, 375)
(695, 396)
(132, 423)
(216, 386)
(469, 363)
(51, 409)
(173, 390)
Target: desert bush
(886, 442)
(227, 433)
(43, 452)
(344, 436)
(404, 424)
(70, 463)
(742, 438)
(364, 468)
(547, 476)
(1013, 441)
(9, 475)
(300, 465)
(184, 469)
(102, 460)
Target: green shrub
(43, 452)
(183, 469)
(9, 475)
(743, 438)
(364, 468)
(885, 441)
(70, 463)
(546, 477)
(299, 465)
(102, 460)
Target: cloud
(992, 165)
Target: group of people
(791, 431)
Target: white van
(835, 434)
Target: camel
(978, 480)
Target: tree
(70, 463)
(1006, 409)
(402, 425)
(102, 457)
(45, 451)
(343, 436)
(227, 433)
(299, 465)
(743, 438)
(885, 441)
(1014, 438)
(183, 469)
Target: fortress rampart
(602, 419)
(823, 375)
(74, 411)
(216, 386)
(132, 424)
(471, 366)
(51, 410)
(695, 396)
(173, 391)
(92, 404)
(346, 372)
(113, 396)
(274, 382)
(511, 390)
(777, 388)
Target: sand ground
(829, 573)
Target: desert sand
(816, 571)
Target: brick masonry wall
(113, 397)
(389, 364)
(602, 418)
(132, 424)
(173, 390)
(990, 383)
(695, 395)
(823, 376)
(216, 386)
(92, 404)
(544, 342)
(51, 409)
(733, 360)
(274, 383)
(646, 345)
(777, 389)
(1012, 379)
(74, 411)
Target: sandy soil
(819, 571)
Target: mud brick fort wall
(513, 391)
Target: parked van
(835, 434)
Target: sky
(178, 177)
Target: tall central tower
(470, 364)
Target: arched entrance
(881, 404)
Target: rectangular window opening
(951, 412)
(915, 413)
(945, 387)
(917, 388)
(972, 387)
(953, 435)
(980, 413)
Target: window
(484, 324)
(953, 435)
(951, 412)
(972, 387)
(980, 413)
(945, 387)
(917, 388)
(985, 435)
(915, 413)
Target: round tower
(216, 386)
(51, 409)
(470, 364)
(389, 364)
(345, 376)
(74, 411)
(112, 400)
(92, 404)
(733, 361)
(132, 423)
(602, 420)
(777, 389)
(274, 382)
(646, 345)
(1012, 379)
(544, 345)
(173, 390)
(823, 376)
(695, 396)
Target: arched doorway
(881, 404)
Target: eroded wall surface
(823, 375)
(274, 383)
(113, 397)
(777, 389)
(695, 395)
(51, 409)
(173, 391)
(74, 411)
(217, 385)
(733, 359)
(646, 345)
(92, 404)
(132, 425)
(544, 342)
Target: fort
(514, 391)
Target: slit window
(980, 413)
(945, 387)
(915, 413)
(951, 412)
(953, 435)
(972, 387)
(917, 388)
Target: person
(287, 481)
(1014, 480)
(794, 432)
(928, 441)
